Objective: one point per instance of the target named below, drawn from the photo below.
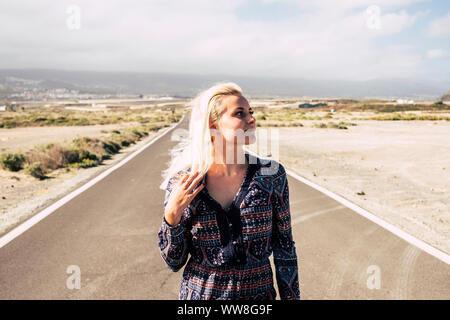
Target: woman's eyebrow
(242, 108)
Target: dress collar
(254, 164)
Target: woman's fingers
(189, 180)
(194, 183)
(194, 193)
(192, 177)
(185, 177)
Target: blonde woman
(227, 210)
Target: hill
(446, 96)
(187, 85)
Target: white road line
(49, 210)
(444, 257)
(315, 214)
(398, 232)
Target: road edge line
(382, 223)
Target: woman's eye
(239, 113)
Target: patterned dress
(229, 249)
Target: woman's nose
(252, 119)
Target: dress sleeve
(285, 256)
(174, 241)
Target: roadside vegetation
(40, 117)
(333, 125)
(282, 116)
(83, 152)
(407, 117)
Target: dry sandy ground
(26, 138)
(22, 196)
(403, 167)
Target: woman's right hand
(181, 196)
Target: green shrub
(35, 170)
(76, 155)
(111, 147)
(92, 145)
(61, 120)
(320, 125)
(80, 122)
(12, 161)
(154, 127)
(11, 124)
(72, 155)
(136, 132)
(85, 163)
(125, 143)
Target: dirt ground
(26, 138)
(402, 167)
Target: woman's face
(236, 125)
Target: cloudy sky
(320, 39)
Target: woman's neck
(231, 166)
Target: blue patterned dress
(229, 249)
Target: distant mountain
(187, 85)
(446, 96)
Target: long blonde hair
(197, 152)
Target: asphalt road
(109, 233)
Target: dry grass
(81, 153)
(291, 117)
(40, 117)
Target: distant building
(311, 105)
(94, 105)
(2, 108)
(405, 101)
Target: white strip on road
(398, 232)
(47, 211)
